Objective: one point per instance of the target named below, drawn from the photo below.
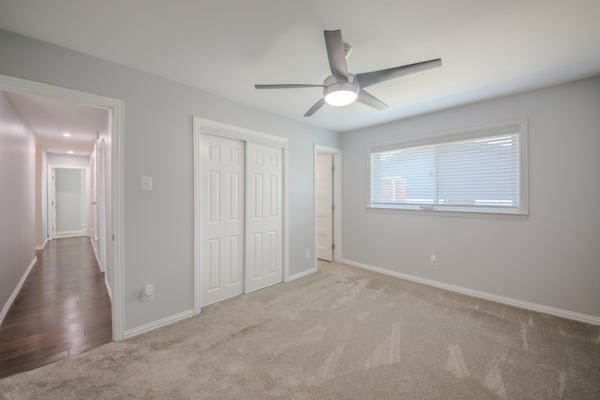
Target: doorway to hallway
(40, 102)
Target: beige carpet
(342, 333)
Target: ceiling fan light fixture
(342, 87)
(340, 98)
(339, 94)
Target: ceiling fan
(341, 87)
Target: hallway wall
(17, 202)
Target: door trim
(117, 108)
(209, 127)
(337, 200)
(51, 198)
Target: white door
(264, 222)
(324, 206)
(222, 197)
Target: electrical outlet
(307, 253)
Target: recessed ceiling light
(66, 134)
(70, 152)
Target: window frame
(456, 135)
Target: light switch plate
(146, 183)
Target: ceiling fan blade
(336, 54)
(285, 86)
(315, 108)
(366, 79)
(370, 100)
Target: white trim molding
(15, 292)
(171, 319)
(100, 266)
(337, 199)
(204, 126)
(302, 274)
(108, 289)
(557, 312)
(70, 234)
(51, 198)
(211, 127)
(43, 246)
(117, 108)
(102, 269)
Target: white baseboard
(15, 292)
(129, 333)
(96, 255)
(108, 289)
(559, 312)
(43, 246)
(69, 234)
(302, 274)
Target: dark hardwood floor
(63, 309)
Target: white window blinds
(482, 172)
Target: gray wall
(551, 257)
(158, 143)
(17, 199)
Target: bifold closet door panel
(222, 245)
(264, 221)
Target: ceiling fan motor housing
(333, 84)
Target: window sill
(452, 211)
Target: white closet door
(323, 206)
(264, 222)
(222, 246)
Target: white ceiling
(489, 47)
(50, 118)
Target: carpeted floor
(341, 333)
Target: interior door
(324, 206)
(222, 246)
(264, 222)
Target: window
(480, 171)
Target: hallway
(63, 309)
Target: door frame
(117, 108)
(337, 200)
(52, 198)
(208, 127)
(101, 247)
